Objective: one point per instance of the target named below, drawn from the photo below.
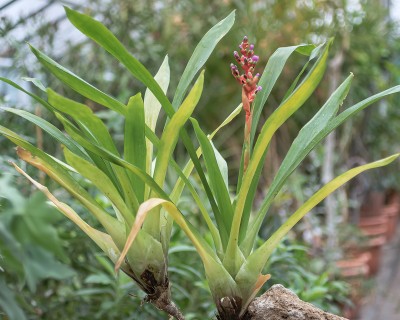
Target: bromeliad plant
(136, 237)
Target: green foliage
(309, 277)
(30, 247)
(135, 235)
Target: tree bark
(279, 303)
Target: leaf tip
(117, 265)
(67, 10)
(31, 47)
(193, 121)
(232, 15)
(22, 153)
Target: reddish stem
(247, 129)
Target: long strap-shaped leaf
(101, 181)
(105, 38)
(314, 53)
(308, 138)
(152, 109)
(85, 118)
(45, 163)
(113, 227)
(301, 146)
(107, 155)
(215, 233)
(167, 144)
(103, 240)
(179, 185)
(256, 261)
(77, 84)
(32, 95)
(278, 117)
(268, 79)
(51, 129)
(272, 71)
(224, 216)
(135, 141)
(183, 180)
(170, 135)
(49, 107)
(201, 54)
(94, 129)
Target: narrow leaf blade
(50, 129)
(95, 130)
(106, 39)
(306, 140)
(78, 84)
(152, 109)
(103, 240)
(224, 216)
(167, 144)
(278, 117)
(201, 54)
(101, 181)
(259, 257)
(135, 142)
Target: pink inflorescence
(247, 61)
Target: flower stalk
(247, 61)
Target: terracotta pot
(391, 213)
(373, 204)
(369, 224)
(354, 270)
(375, 248)
(376, 228)
(375, 231)
(356, 266)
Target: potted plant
(136, 236)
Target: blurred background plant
(366, 35)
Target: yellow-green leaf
(167, 144)
(256, 261)
(103, 240)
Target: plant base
(161, 299)
(229, 309)
(158, 294)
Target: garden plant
(136, 236)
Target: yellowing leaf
(145, 208)
(103, 240)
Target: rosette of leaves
(136, 237)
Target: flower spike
(247, 61)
